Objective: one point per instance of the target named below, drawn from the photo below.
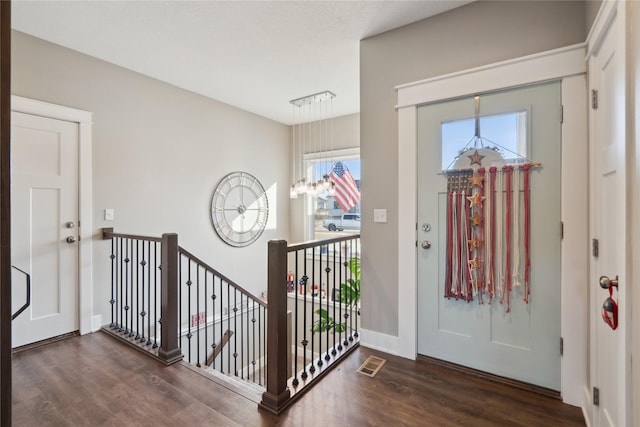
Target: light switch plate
(379, 215)
(108, 214)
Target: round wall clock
(239, 209)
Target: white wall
(158, 152)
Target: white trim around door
(565, 64)
(85, 123)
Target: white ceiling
(255, 55)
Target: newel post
(277, 395)
(169, 351)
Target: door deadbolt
(426, 227)
(70, 224)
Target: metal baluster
(253, 331)
(235, 329)
(155, 293)
(263, 333)
(206, 318)
(356, 314)
(113, 283)
(327, 270)
(333, 296)
(143, 313)
(180, 291)
(296, 291)
(119, 298)
(221, 326)
(189, 315)
(137, 311)
(341, 297)
(131, 277)
(350, 311)
(305, 342)
(312, 368)
(148, 293)
(319, 296)
(126, 287)
(243, 350)
(198, 316)
(229, 324)
(213, 313)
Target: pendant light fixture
(310, 134)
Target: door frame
(84, 119)
(568, 65)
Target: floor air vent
(371, 366)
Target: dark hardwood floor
(95, 380)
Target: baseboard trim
(45, 342)
(491, 377)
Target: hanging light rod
(312, 99)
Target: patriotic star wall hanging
(488, 228)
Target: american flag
(347, 194)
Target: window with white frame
(333, 211)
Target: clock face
(239, 209)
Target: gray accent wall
(158, 152)
(477, 34)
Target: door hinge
(561, 230)
(596, 396)
(594, 99)
(595, 248)
(561, 114)
(561, 346)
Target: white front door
(610, 361)
(44, 226)
(522, 343)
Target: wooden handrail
(321, 242)
(107, 233)
(221, 276)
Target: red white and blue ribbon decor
(487, 231)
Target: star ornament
(474, 263)
(476, 158)
(473, 244)
(476, 180)
(476, 220)
(476, 200)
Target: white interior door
(609, 353)
(523, 344)
(44, 229)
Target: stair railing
(224, 326)
(319, 284)
(144, 293)
(172, 305)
